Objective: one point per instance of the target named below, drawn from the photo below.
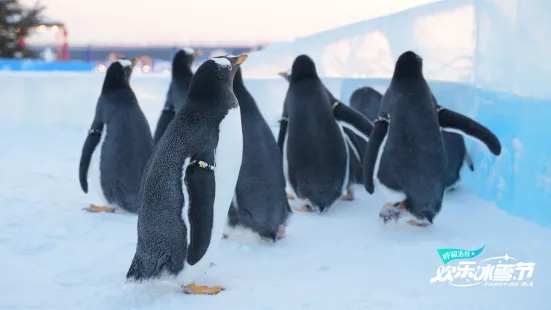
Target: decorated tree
(16, 23)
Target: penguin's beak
(198, 54)
(237, 60)
(282, 74)
(135, 61)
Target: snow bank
(485, 58)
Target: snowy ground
(55, 256)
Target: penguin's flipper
(378, 134)
(467, 126)
(166, 117)
(90, 144)
(469, 161)
(202, 290)
(352, 120)
(282, 133)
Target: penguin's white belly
(352, 147)
(347, 167)
(390, 194)
(289, 187)
(94, 172)
(228, 157)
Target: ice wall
(485, 58)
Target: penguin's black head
(119, 72)
(409, 64)
(285, 75)
(220, 69)
(183, 59)
(303, 68)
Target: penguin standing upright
(118, 144)
(311, 138)
(355, 154)
(178, 89)
(367, 101)
(190, 180)
(405, 153)
(260, 204)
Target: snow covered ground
(55, 256)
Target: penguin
(260, 203)
(355, 154)
(311, 138)
(190, 180)
(367, 101)
(178, 88)
(406, 154)
(118, 144)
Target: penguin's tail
(425, 211)
(136, 272)
(469, 161)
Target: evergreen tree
(16, 22)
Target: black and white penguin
(190, 180)
(355, 154)
(367, 101)
(118, 144)
(260, 207)
(178, 88)
(311, 137)
(405, 153)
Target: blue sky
(131, 22)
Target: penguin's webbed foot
(391, 211)
(396, 211)
(96, 209)
(202, 290)
(290, 197)
(305, 208)
(348, 196)
(418, 223)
